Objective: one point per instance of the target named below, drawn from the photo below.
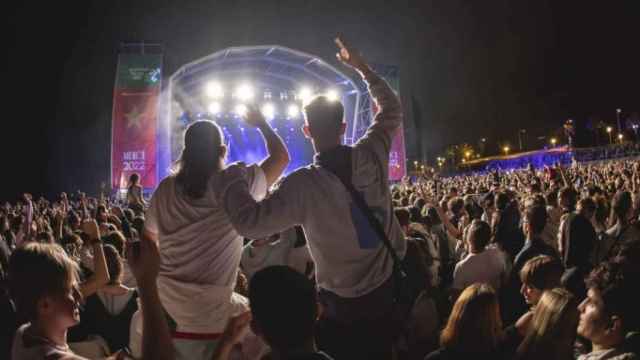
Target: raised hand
(90, 227)
(254, 117)
(144, 261)
(236, 328)
(350, 56)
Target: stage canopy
(276, 80)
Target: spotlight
(268, 111)
(293, 111)
(305, 94)
(214, 108)
(244, 93)
(214, 90)
(333, 95)
(241, 110)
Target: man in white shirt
(353, 267)
(199, 247)
(481, 265)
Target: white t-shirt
(351, 259)
(200, 252)
(487, 267)
(280, 252)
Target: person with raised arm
(200, 250)
(354, 267)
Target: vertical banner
(134, 122)
(397, 155)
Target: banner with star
(134, 122)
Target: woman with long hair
(552, 331)
(199, 247)
(621, 229)
(474, 328)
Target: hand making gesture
(254, 117)
(350, 56)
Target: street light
(506, 149)
(467, 153)
(520, 132)
(618, 111)
(554, 141)
(609, 130)
(620, 137)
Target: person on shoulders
(354, 267)
(200, 249)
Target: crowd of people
(330, 262)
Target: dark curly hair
(617, 288)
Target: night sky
(468, 69)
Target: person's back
(486, 267)
(474, 328)
(109, 314)
(351, 260)
(481, 265)
(200, 250)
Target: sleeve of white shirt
(257, 182)
(151, 216)
(281, 210)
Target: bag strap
(345, 177)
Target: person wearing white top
(353, 266)
(200, 249)
(481, 265)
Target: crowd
(329, 262)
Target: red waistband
(193, 336)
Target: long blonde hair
(474, 325)
(553, 327)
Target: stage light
(293, 111)
(215, 108)
(244, 92)
(268, 111)
(214, 90)
(305, 94)
(333, 95)
(240, 110)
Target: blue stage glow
(276, 80)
